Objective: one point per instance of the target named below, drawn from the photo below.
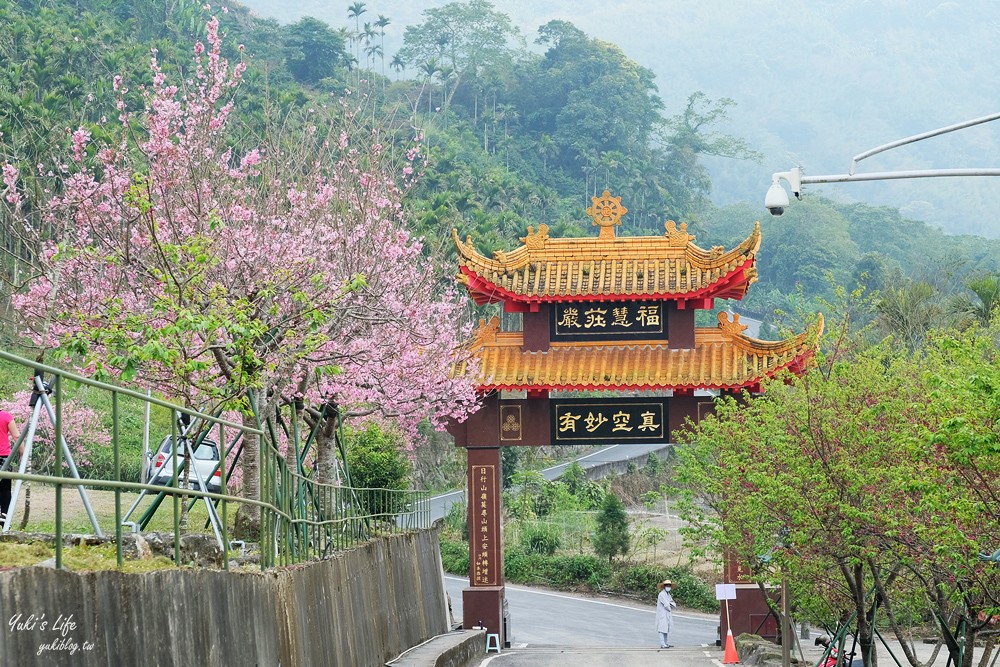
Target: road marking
(600, 602)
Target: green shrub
(591, 495)
(455, 557)
(692, 591)
(540, 539)
(574, 477)
(641, 581)
(580, 570)
(522, 567)
(638, 579)
(456, 521)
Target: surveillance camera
(776, 199)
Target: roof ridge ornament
(733, 328)
(677, 238)
(536, 241)
(486, 332)
(607, 212)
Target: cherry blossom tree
(243, 278)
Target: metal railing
(300, 519)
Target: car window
(206, 451)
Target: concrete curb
(459, 648)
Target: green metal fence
(301, 519)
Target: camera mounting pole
(776, 198)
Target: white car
(206, 457)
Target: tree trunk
(27, 501)
(248, 516)
(970, 644)
(326, 453)
(991, 643)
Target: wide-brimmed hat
(663, 584)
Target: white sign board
(725, 591)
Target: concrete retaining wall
(363, 607)
(602, 470)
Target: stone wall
(362, 607)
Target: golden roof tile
(608, 267)
(723, 358)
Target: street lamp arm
(891, 175)
(776, 198)
(918, 137)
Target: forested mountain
(519, 129)
(815, 82)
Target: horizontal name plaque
(598, 421)
(608, 320)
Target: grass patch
(81, 558)
(85, 558)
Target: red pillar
(482, 601)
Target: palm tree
(371, 51)
(354, 12)
(909, 311)
(381, 23)
(429, 68)
(547, 148)
(984, 301)
(397, 64)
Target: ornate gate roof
(608, 267)
(723, 358)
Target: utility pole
(787, 632)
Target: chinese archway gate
(605, 313)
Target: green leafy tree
(654, 465)
(836, 482)
(509, 459)
(611, 537)
(574, 476)
(314, 50)
(466, 37)
(686, 139)
(376, 461)
(588, 96)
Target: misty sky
(815, 82)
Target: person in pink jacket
(8, 435)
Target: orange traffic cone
(730, 657)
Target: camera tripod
(40, 391)
(185, 426)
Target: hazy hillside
(815, 82)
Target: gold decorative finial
(607, 212)
(677, 238)
(733, 328)
(536, 241)
(487, 331)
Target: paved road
(441, 504)
(539, 617)
(570, 656)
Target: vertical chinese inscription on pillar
(484, 531)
